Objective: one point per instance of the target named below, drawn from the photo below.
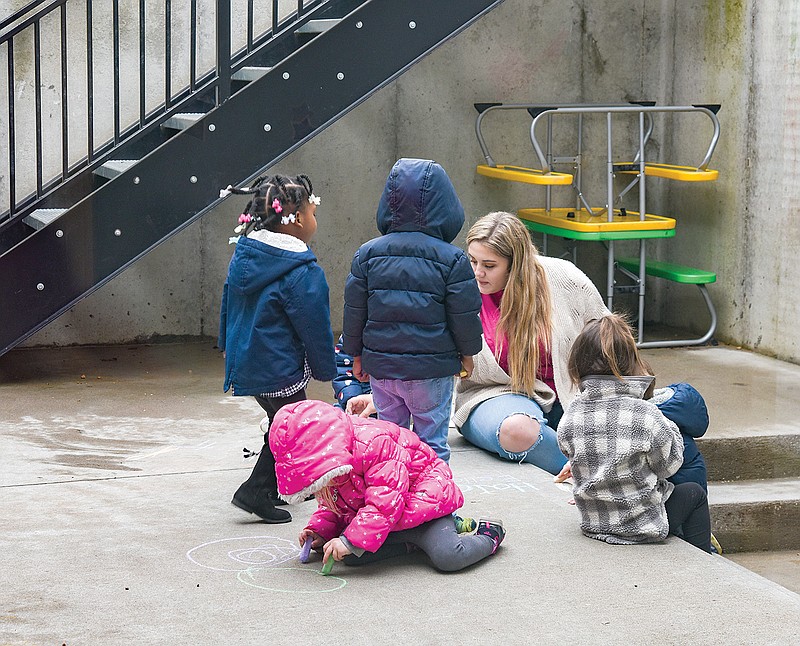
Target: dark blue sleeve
(463, 305)
(687, 409)
(355, 308)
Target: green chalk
(327, 566)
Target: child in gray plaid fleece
(622, 448)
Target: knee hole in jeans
(518, 433)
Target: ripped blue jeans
(482, 429)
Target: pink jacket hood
(392, 480)
(312, 443)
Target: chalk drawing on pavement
(498, 483)
(302, 580)
(243, 552)
(261, 562)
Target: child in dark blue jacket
(682, 404)
(275, 320)
(345, 385)
(411, 303)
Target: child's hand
(361, 405)
(335, 549)
(564, 474)
(467, 366)
(358, 373)
(310, 535)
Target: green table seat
(670, 271)
(676, 274)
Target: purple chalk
(306, 551)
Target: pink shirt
(490, 315)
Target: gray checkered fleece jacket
(622, 450)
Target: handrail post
(223, 51)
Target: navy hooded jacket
(275, 312)
(411, 300)
(682, 404)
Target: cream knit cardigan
(575, 302)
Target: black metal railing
(67, 112)
(103, 219)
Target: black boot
(257, 494)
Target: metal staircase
(87, 222)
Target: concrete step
(756, 515)
(782, 567)
(752, 457)
(40, 218)
(250, 73)
(183, 120)
(317, 26)
(114, 167)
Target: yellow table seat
(524, 175)
(670, 171)
(582, 221)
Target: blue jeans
(482, 429)
(426, 401)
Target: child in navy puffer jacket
(411, 303)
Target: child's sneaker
(464, 525)
(493, 529)
(715, 546)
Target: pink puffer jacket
(386, 478)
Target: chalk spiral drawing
(259, 562)
(309, 581)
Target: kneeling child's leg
(447, 550)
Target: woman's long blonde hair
(525, 310)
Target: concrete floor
(118, 464)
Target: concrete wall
(671, 51)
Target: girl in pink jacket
(381, 490)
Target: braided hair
(274, 197)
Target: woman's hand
(564, 474)
(310, 535)
(335, 549)
(361, 405)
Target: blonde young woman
(533, 308)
